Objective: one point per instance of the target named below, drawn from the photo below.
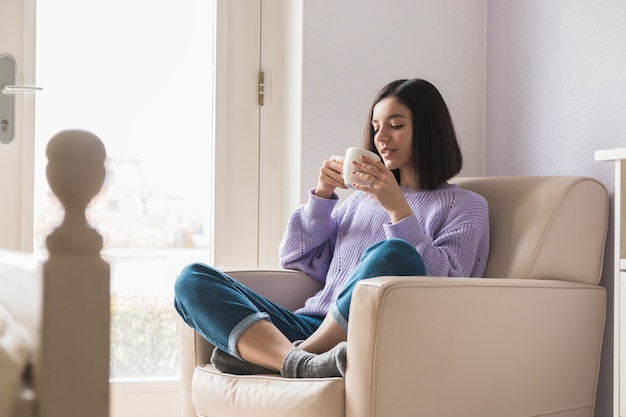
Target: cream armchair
(525, 341)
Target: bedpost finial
(75, 173)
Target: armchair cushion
(265, 395)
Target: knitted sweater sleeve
(309, 239)
(459, 248)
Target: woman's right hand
(330, 177)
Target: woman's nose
(382, 135)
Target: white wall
(556, 92)
(351, 48)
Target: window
(138, 74)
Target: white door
(231, 161)
(16, 158)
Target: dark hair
(436, 153)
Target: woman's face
(393, 137)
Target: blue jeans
(221, 309)
(391, 257)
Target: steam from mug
(354, 154)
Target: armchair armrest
(288, 288)
(475, 347)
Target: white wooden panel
(16, 159)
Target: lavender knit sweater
(449, 227)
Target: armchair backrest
(544, 227)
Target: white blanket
(15, 353)
(20, 295)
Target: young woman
(407, 220)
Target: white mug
(354, 154)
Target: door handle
(10, 89)
(7, 98)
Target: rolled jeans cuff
(339, 318)
(238, 330)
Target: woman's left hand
(382, 184)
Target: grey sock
(301, 364)
(229, 364)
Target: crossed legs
(260, 334)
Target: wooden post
(73, 377)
